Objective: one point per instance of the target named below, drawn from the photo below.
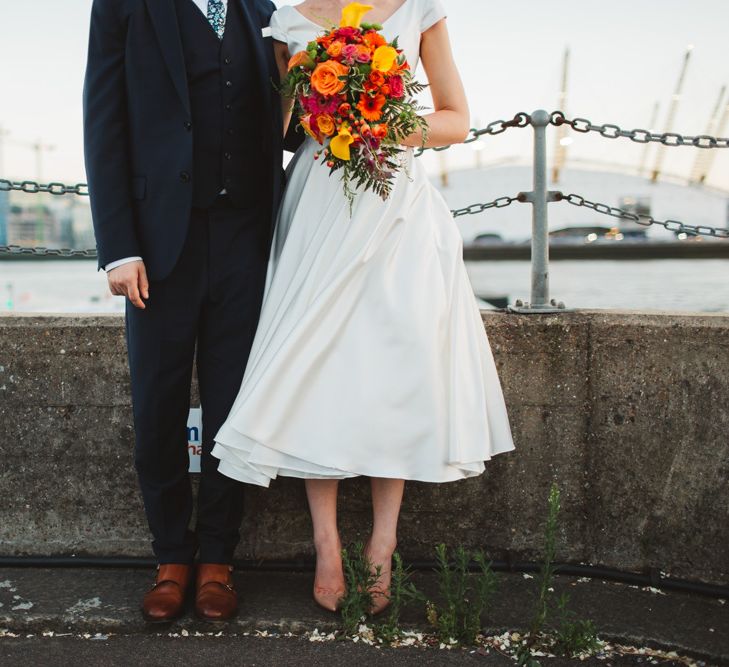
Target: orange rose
(335, 49)
(380, 131)
(325, 123)
(326, 77)
(300, 59)
(305, 122)
(377, 78)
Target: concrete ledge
(107, 601)
(626, 411)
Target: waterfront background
(63, 286)
(606, 67)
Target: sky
(626, 55)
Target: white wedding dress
(370, 357)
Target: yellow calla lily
(384, 58)
(339, 145)
(352, 14)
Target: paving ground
(97, 613)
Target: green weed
(465, 596)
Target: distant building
(45, 220)
(32, 225)
(666, 200)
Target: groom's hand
(130, 280)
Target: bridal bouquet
(355, 95)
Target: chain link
(33, 187)
(643, 219)
(521, 119)
(475, 209)
(611, 131)
(46, 252)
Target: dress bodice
(407, 23)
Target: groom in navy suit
(183, 147)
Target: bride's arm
(281, 51)
(450, 122)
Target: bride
(370, 357)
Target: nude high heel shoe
(327, 598)
(381, 590)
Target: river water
(59, 286)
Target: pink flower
(349, 53)
(316, 104)
(397, 87)
(364, 55)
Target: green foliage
(547, 572)
(573, 636)
(465, 596)
(359, 579)
(402, 593)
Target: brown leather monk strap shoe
(165, 601)
(216, 599)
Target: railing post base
(539, 198)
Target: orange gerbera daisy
(374, 39)
(371, 107)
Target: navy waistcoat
(225, 116)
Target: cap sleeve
(433, 12)
(278, 31)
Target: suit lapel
(253, 30)
(164, 19)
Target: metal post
(539, 198)
(540, 229)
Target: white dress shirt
(203, 6)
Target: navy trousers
(205, 312)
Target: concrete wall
(626, 411)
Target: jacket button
(184, 177)
(228, 107)
(228, 61)
(231, 131)
(229, 84)
(228, 156)
(188, 125)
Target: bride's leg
(329, 578)
(386, 500)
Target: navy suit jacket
(137, 128)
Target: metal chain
(643, 219)
(475, 209)
(610, 131)
(40, 250)
(521, 119)
(32, 187)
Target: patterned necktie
(216, 16)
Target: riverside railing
(539, 197)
